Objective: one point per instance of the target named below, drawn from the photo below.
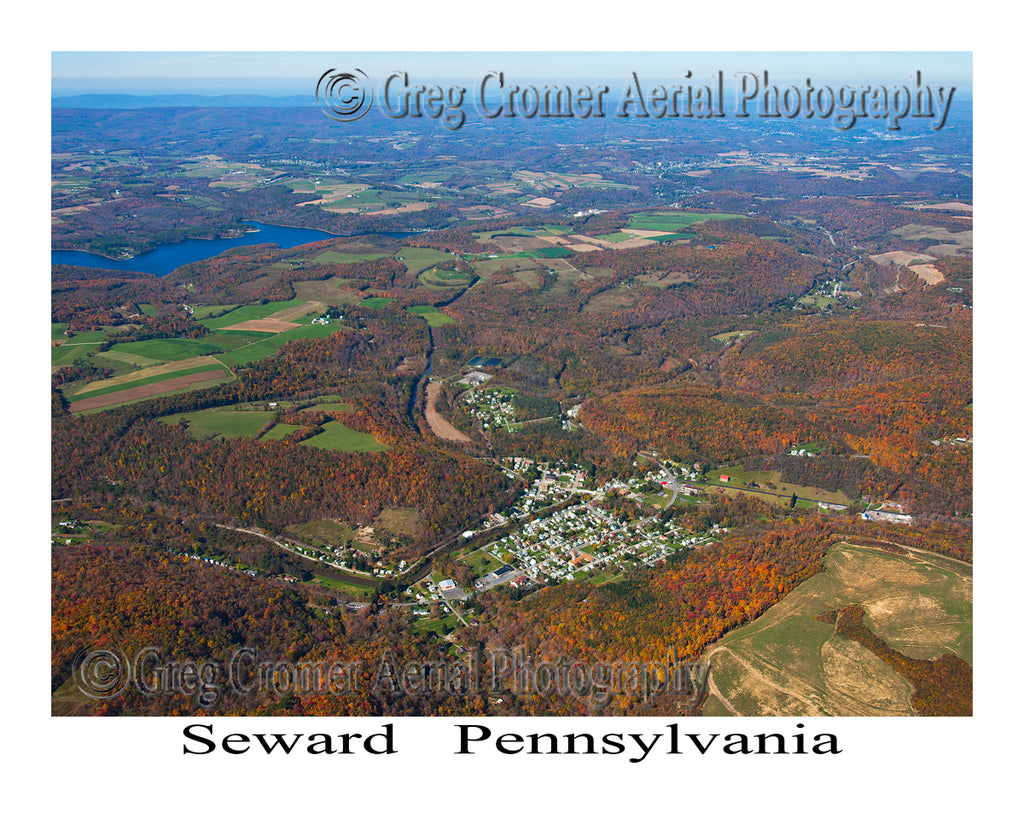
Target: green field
(269, 345)
(222, 422)
(433, 316)
(443, 278)
(340, 585)
(418, 259)
(334, 257)
(279, 431)
(249, 311)
(439, 627)
(481, 562)
(167, 349)
(673, 221)
(375, 302)
(204, 311)
(788, 663)
(339, 437)
(332, 406)
(671, 237)
(615, 237)
(420, 177)
(68, 354)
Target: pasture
(433, 316)
(337, 436)
(222, 422)
(674, 221)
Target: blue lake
(166, 258)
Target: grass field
(269, 345)
(481, 562)
(787, 663)
(433, 316)
(439, 627)
(68, 354)
(332, 406)
(248, 312)
(279, 431)
(339, 437)
(222, 422)
(322, 533)
(442, 278)
(771, 487)
(418, 259)
(375, 302)
(334, 257)
(168, 349)
(673, 221)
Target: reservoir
(166, 258)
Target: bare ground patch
(928, 272)
(438, 425)
(263, 326)
(902, 258)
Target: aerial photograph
(508, 384)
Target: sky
(287, 73)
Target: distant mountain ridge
(131, 101)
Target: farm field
(418, 259)
(339, 437)
(174, 384)
(334, 257)
(144, 378)
(249, 312)
(787, 662)
(375, 302)
(442, 279)
(279, 431)
(222, 422)
(259, 349)
(673, 221)
(433, 316)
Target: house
(724, 478)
